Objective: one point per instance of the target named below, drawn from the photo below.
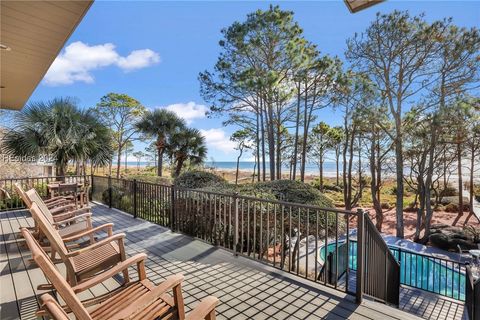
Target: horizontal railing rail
(10, 200)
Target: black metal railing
(10, 200)
(285, 235)
(445, 277)
(381, 270)
(472, 295)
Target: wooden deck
(247, 289)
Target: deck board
(247, 289)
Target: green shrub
(197, 179)
(448, 192)
(385, 205)
(151, 179)
(451, 207)
(288, 191)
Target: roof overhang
(32, 35)
(357, 5)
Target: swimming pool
(424, 272)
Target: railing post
(109, 191)
(172, 208)
(360, 255)
(90, 196)
(235, 230)
(134, 198)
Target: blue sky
(154, 50)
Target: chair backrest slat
(47, 228)
(48, 268)
(22, 194)
(34, 197)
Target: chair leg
(126, 277)
(178, 300)
(211, 315)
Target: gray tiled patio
(246, 289)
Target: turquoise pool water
(418, 271)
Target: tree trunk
(258, 148)
(472, 168)
(119, 157)
(297, 125)
(460, 179)
(346, 200)
(337, 157)
(399, 177)
(254, 169)
(160, 152)
(126, 156)
(349, 172)
(262, 124)
(271, 142)
(279, 152)
(321, 170)
(374, 185)
(305, 136)
(238, 165)
(179, 166)
(360, 166)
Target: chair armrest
(108, 227)
(149, 298)
(70, 214)
(83, 216)
(116, 237)
(136, 259)
(55, 203)
(206, 307)
(61, 209)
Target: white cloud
(188, 111)
(138, 59)
(217, 139)
(78, 60)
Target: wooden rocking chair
(85, 262)
(71, 225)
(134, 300)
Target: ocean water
(329, 168)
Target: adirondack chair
(85, 262)
(134, 300)
(71, 225)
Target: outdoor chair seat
(73, 229)
(122, 300)
(98, 259)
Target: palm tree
(60, 130)
(185, 145)
(160, 123)
(97, 141)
